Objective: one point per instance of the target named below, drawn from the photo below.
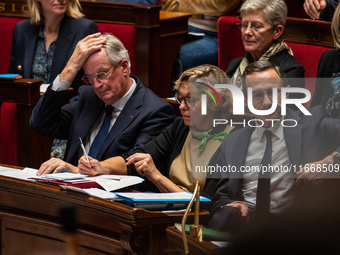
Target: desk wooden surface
(29, 217)
(195, 247)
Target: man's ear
(278, 32)
(125, 65)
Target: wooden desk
(195, 247)
(32, 148)
(30, 222)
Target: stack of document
(67, 179)
(157, 201)
(106, 182)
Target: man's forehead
(268, 78)
(97, 56)
(264, 82)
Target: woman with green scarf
(176, 159)
(261, 27)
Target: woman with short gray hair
(261, 28)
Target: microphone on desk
(196, 230)
(69, 226)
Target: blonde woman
(42, 45)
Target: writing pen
(83, 148)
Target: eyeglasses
(258, 95)
(255, 27)
(189, 101)
(89, 79)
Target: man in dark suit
(137, 116)
(310, 142)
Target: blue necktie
(263, 187)
(104, 130)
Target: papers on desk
(17, 173)
(101, 193)
(65, 176)
(115, 182)
(107, 182)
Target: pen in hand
(83, 148)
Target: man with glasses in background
(112, 115)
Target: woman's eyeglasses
(89, 79)
(189, 101)
(255, 27)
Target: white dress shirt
(282, 183)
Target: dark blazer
(144, 116)
(323, 87)
(327, 13)
(314, 138)
(24, 43)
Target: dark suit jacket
(24, 43)
(314, 138)
(144, 116)
(328, 12)
(323, 87)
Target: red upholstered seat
(229, 41)
(308, 56)
(124, 33)
(8, 121)
(6, 31)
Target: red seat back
(124, 33)
(230, 44)
(8, 121)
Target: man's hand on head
(55, 165)
(83, 50)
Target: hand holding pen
(84, 151)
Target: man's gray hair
(116, 50)
(275, 11)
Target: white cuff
(58, 85)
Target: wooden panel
(195, 247)
(308, 31)
(29, 217)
